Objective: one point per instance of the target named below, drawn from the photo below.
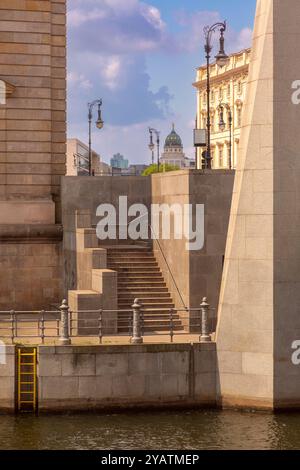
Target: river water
(160, 431)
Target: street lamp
(99, 125)
(221, 59)
(222, 127)
(152, 146)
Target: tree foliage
(163, 168)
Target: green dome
(173, 140)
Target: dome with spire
(173, 140)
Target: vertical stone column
(33, 128)
(260, 297)
(32, 151)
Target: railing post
(205, 336)
(13, 328)
(100, 326)
(172, 311)
(43, 326)
(64, 337)
(136, 335)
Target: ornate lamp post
(152, 146)
(222, 127)
(221, 59)
(99, 125)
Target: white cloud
(153, 16)
(111, 72)
(244, 39)
(76, 79)
(77, 17)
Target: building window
(212, 96)
(239, 117)
(228, 91)
(239, 86)
(212, 155)
(221, 157)
(220, 94)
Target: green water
(165, 431)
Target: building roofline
(234, 54)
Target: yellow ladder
(27, 382)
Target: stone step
(144, 295)
(144, 298)
(149, 316)
(133, 264)
(140, 275)
(143, 290)
(122, 256)
(132, 282)
(148, 329)
(148, 305)
(136, 270)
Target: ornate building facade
(228, 89)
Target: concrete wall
(103, 377)
(7, 382)
(33, 121)
(88, 193)
(31, 267)
(32, 151)
(197, 273)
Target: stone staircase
(139, 277)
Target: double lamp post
(221, 60)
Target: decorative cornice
(217, 79)
(31, 233)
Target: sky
(140, 58)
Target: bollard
(64, 337)
(136, 334)
(205, 336)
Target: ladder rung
(22, 402)
(27, 393)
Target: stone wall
(7, 381)
(196, 273)
(81, 193)
(33, 121)
(32, 151)
(31, 262)
(122, 377)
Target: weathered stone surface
(259, 306)
(118, 376)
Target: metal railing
(134, 324)
(156, 239)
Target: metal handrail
(168, 266)
(15, 325)
(163, 254)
